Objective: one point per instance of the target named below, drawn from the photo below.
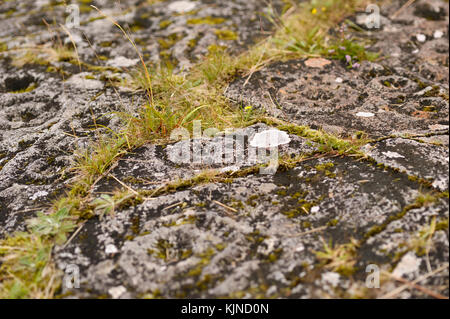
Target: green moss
(333, 222)
(306, 224)
(225, 34)
(282, 192)
(106, 44)
(442, 225)
(220, 247)
(324, 168)
(164, 24)
(433, 92)
(205, 259)
(207, 20)
(429, 108)
(421, 200)
(3, 47)
(436, 92)
(136, 224)
(192, 43)
(169, 41)
(275, 255)
(251, 200)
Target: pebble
(111, 249)
(181, 6)
(365, 114)
(116, 292)
(421, 37)
(438, 34)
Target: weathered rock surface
(396, 90)
(254, 235)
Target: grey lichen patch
(201, 246)
(156, 227)
(416, 159)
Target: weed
(339, 258)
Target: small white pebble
(339, 80)
(315, 209)
(111, 249)
(181, 6)
(415, 51)
(116, 292)
(365, 114)
(438, 34)
(421, 37)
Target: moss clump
(164, 24)
(205, 258)
(226, 35)
(251, 200)
(333, 222)
(192, 43)
(275, 255)
(339, 258)
(325, 169)
(206, 20)
(442, 225)
(429, 108)
(170, 40)
(436, 92)
(3, 47)
(306, 224)
(106, 44)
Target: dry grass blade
(398, 290)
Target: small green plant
(339, 258)
(106, 204)
(351, 51)
(56, 225)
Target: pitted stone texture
(406, 91)
(311, 96)
(151, 166)
(164, 31)
(233, 149)
(40, 132)
(418, 159)
(398, 38)
(187, 245)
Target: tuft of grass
(106, 204)
(339, 258)
(56, 225)
(26, 269)
(95, 161)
